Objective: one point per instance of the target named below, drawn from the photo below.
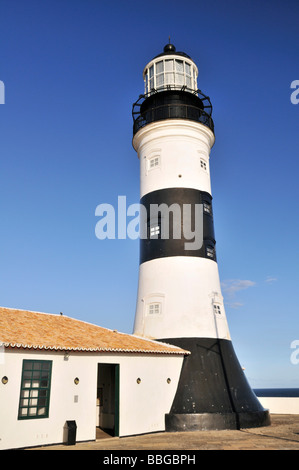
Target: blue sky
(72, 69)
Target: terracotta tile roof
(35, 330)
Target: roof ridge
(64, 316)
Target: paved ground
(283, 434)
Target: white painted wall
(35, 432)
(281, 405)
(180, 144)
(142, 407)
(187, 288)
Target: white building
(55, 369)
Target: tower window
(207, 208)
(154, 227)
(210, 252)
(217, 309)
(203, 164)
(154, 308)
(154, 163)
(154, 231)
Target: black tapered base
(213, 392)
(215, 421)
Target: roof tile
(26, 329)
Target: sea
(277, 392)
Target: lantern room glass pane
(169, 78)
(179, 79)
(169, 75)
(179, 66)
(188, 68)
(160, 67)
(159, 74)
(179, 76)
(169, 65)
(151, 77)
(160, 80)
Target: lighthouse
(179, 299)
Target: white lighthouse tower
(179, 295)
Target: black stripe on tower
(153, 245)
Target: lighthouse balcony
(172, 104)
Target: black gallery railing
(172, 111)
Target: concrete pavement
(283, 434)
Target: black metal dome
(171, 49)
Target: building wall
(281, 405)
(143, 406)
(141, 409)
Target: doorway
(108, 398)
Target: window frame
(207, 208)
(154, 231)
(210, 252)
(153, 162)
(203, 164)
(154, 228)
(217, 308)
(37, 396)
(155, 306)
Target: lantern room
(170, 69)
